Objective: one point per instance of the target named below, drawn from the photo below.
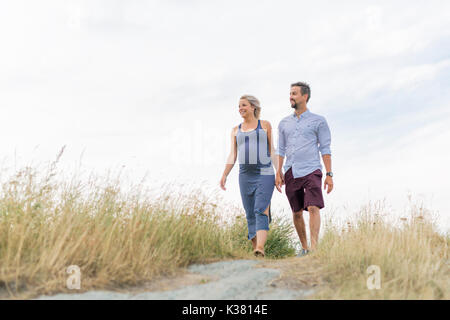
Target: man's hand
(279, 180)
(329, 182)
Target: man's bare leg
(314, 225)
(299, 224)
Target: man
(301, 136)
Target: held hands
(279, 180)
(223, 181)
(329, 182)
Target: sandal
(258, 253)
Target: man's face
(296, 97)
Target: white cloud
(411, 77)
(119, 79)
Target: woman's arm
(231, 160)
(273, 156)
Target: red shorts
(304, 191)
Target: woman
(251, 140)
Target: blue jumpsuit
(256, 177)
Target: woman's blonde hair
(254, 102)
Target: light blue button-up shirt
(301, 139)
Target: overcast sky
(154, 86)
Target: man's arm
(280, 166)
(327, 162)
(324, 136)
(328, 180)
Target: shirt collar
(304, 114)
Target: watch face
(330, 174)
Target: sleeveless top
(253, 151)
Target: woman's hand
(279, 181)
(223, 181)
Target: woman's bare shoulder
(266, 124)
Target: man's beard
(294, 105)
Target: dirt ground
(294, 274)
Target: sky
(152, 88)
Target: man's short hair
(305, 89)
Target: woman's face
(245, 108)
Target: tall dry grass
(280, 242)
(120, 236)
(413, 257)
(117, 237)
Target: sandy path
(224, 280)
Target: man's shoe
(303, 253)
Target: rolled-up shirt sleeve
(324, 136)
(281, 141)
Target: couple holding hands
(302, 135)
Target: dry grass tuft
(413, 257)
(116, 238)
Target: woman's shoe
(258, 253)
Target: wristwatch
(330, 174)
